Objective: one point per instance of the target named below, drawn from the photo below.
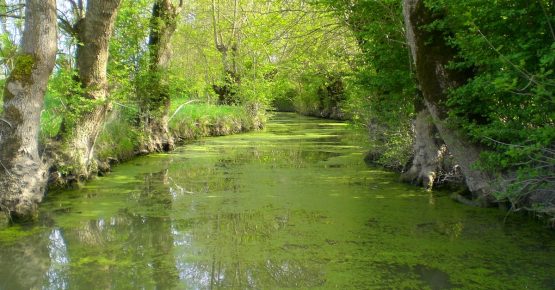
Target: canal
(293, 206)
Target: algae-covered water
(293, 206)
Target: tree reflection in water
(217, 252)
(57, 273)
(292, 208)
(25, 261)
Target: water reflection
(24, 262)
(59, 261)
(293, 207)
(213, 252)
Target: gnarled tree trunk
(431, 55)
(155, 104)
(93, 33)
(23, 174)
(428, 154)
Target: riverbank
(120, 139)
(395, 151)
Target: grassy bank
(194, 121)
(120, 139)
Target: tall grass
(119, 138)
(197, 120)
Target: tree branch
(11, 16)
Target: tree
(507, 106)
(227, 91)
(89, 106)
(431, 56)
(23, 174)
(155, 101)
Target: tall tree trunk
(155, 104)
(431, 55)
(226, 91)
(23, 174)
(93, 33)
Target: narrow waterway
(293, 206)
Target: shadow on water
(291, 207)
(433, 278)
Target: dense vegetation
(505, 49)
(173, 70)
(507, 105)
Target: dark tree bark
(93, 33)
(431, 55)
(23, 174)
(155, 103)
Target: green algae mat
(292, 207)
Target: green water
(291, 207)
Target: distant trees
(382, 94)
(11, 26)
(244, 52)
